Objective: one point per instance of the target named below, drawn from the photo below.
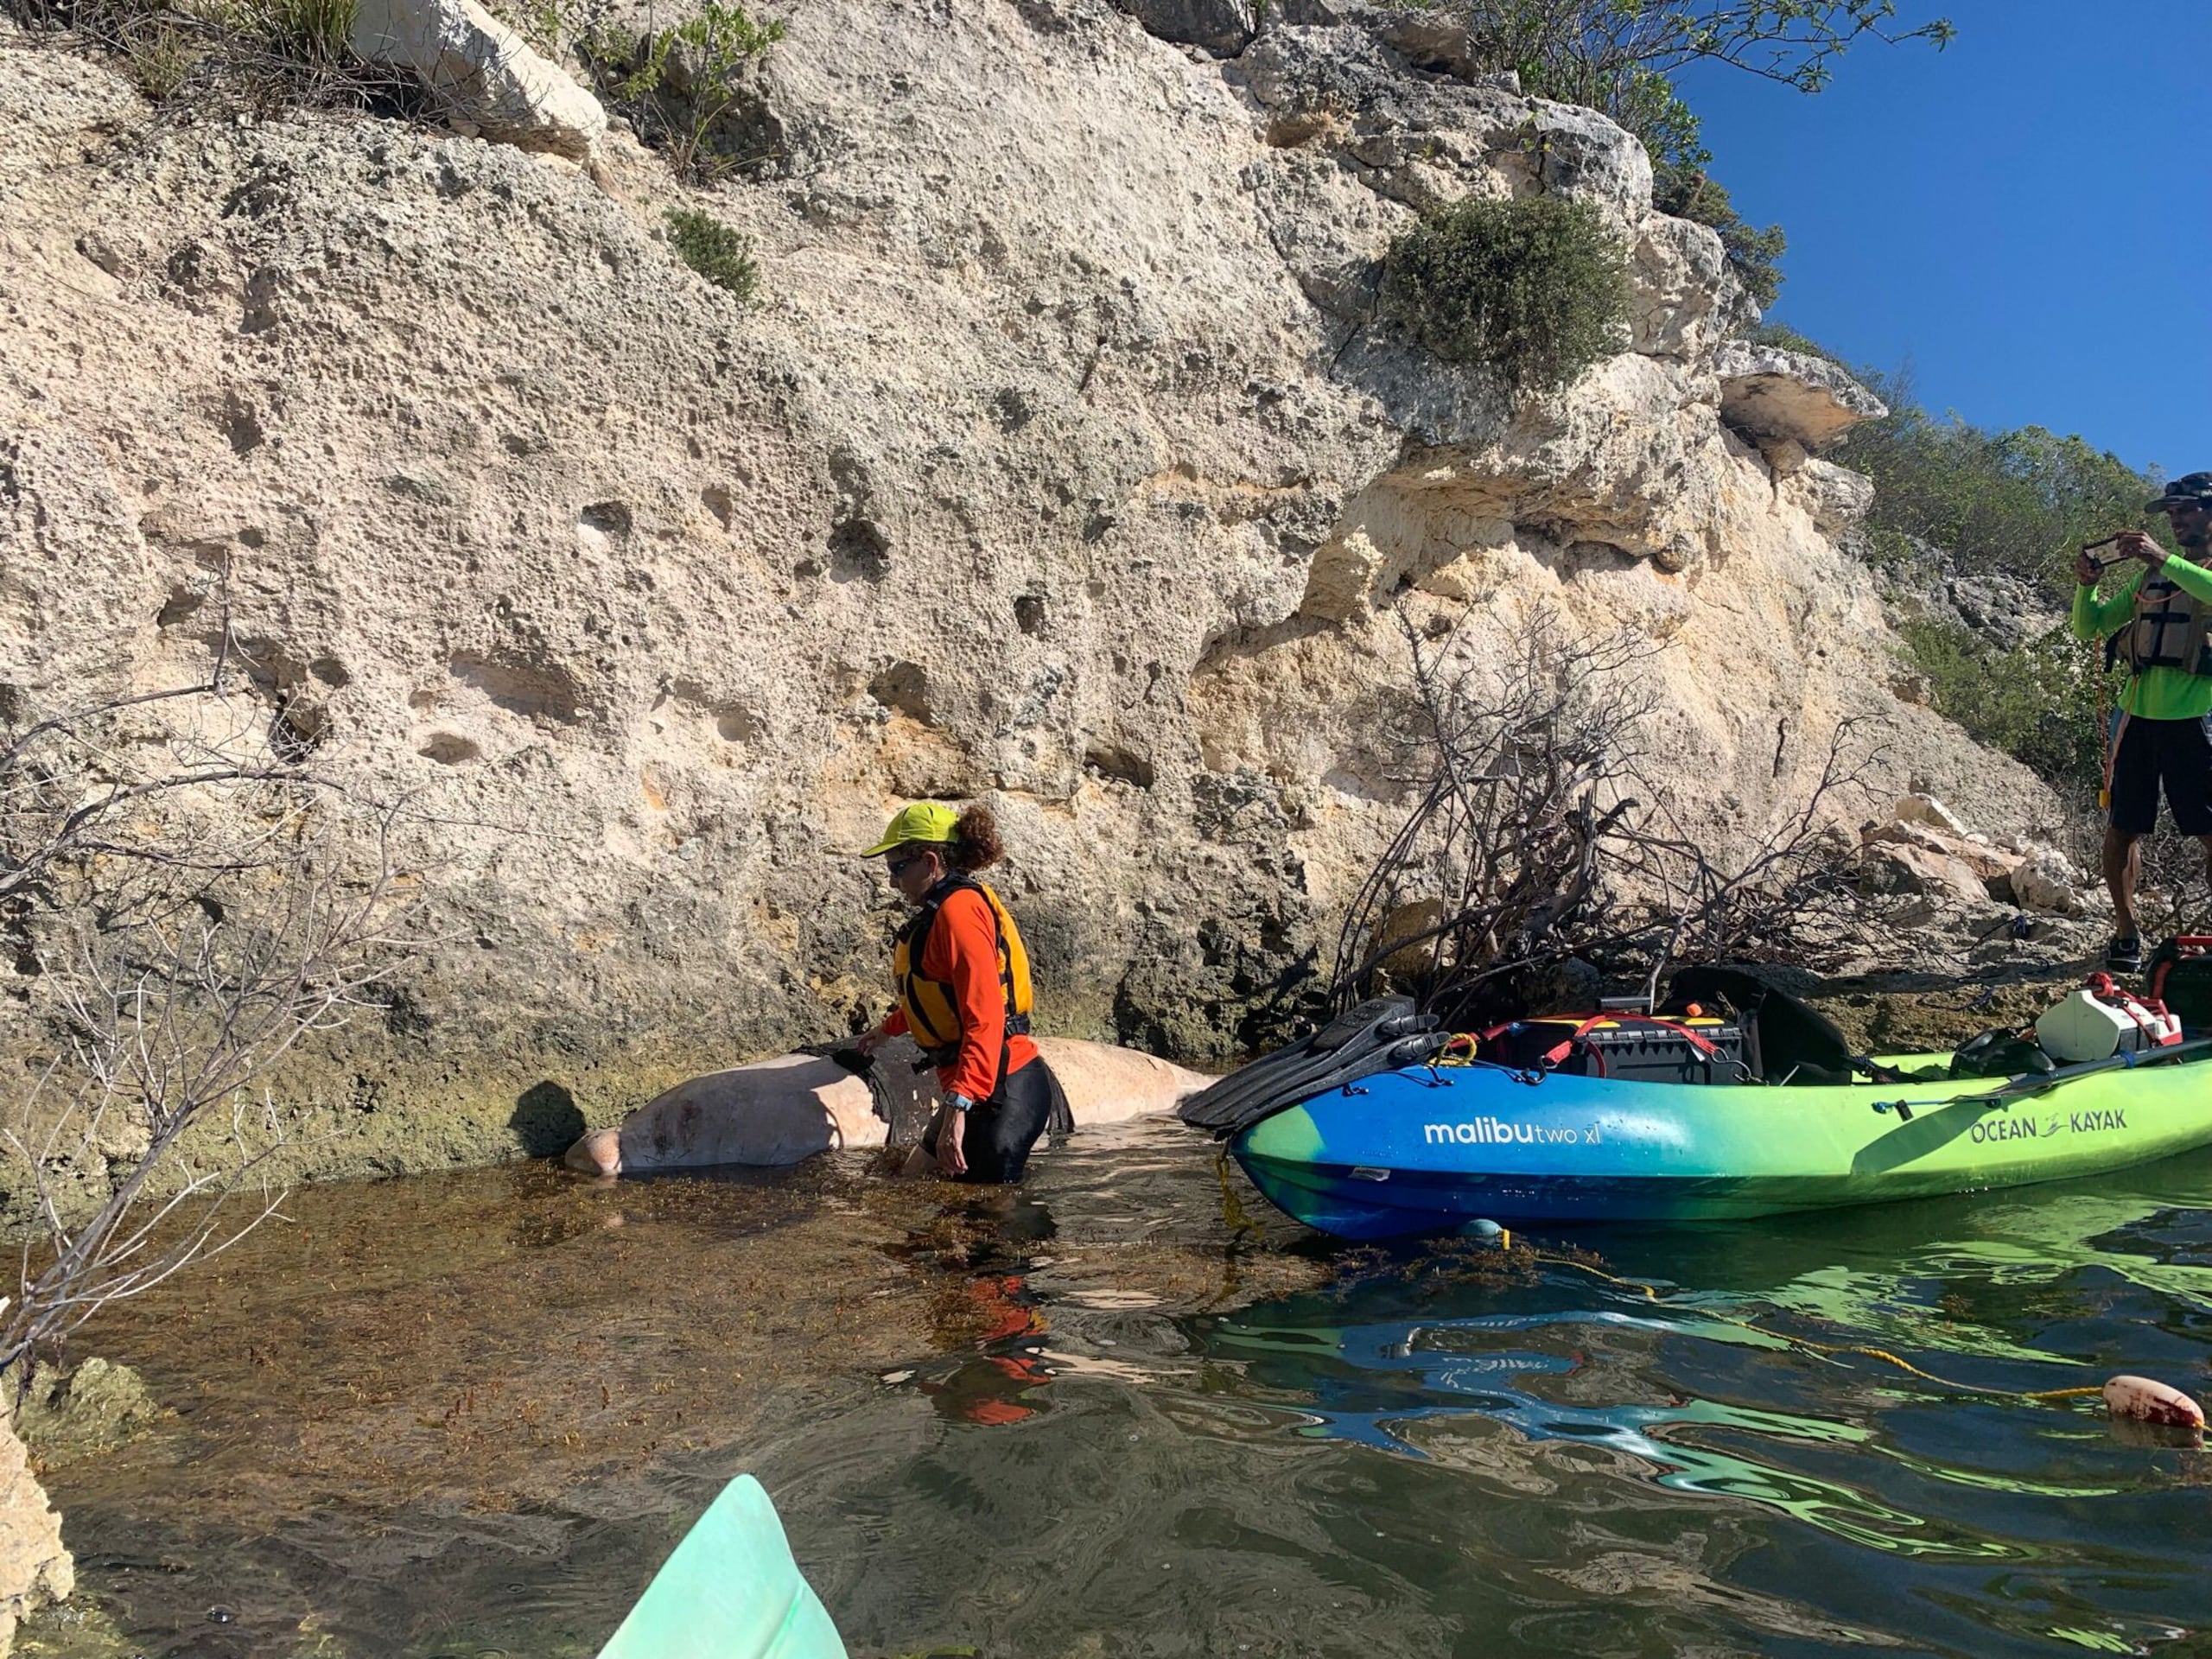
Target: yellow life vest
(932, 1009)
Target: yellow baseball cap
(929, 821)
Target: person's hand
(2086, 570)
(867, 1042)
(951, 1157)
(2134, 544)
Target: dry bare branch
(185, 907)
(1536, 836)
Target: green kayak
(731, 1591)
(1423, 1149)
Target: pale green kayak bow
(731, 1591)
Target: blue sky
(2025, 217)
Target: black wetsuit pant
(1002, 1130)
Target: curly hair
(975, 844)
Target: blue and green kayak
(1424, 1149)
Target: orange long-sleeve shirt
(963, 951)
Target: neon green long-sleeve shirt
(2155, 693)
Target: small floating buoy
(2150, 1401)
(1489, 1232)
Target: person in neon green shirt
(2162, 736)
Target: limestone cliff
(1062, 463)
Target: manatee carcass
(782, 1111)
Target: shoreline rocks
(35, 1567)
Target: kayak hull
(1421, 1151)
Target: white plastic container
(2086, 1027)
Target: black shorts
(2175, 753)
(1002, 1130)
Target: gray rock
(95, 1407)
(483, 74)
(1223, 28)
(36, 1568)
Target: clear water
(1128, 1411)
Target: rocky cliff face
(1062, 464)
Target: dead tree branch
(185, 907)
(1537, 836)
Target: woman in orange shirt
(962, 976)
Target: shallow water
(1128, 1411)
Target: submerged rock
(95, 1407)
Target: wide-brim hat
(930, 821)
(2191, 490)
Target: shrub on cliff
(1535, 288)
(714, 251)
(687, 89)
(260, 54)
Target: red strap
(1554, 1055)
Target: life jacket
(2169, 629)
(932, 1009)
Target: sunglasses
(897, 867)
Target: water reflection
(1099, 1417)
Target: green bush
(260, 54)
(714, 251)
(2015, 503)
(679, 86)
(2038, 703)
(318, 33)
(2020, 502)
(1535, 288)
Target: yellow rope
(1882, 1354)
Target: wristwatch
(958, 1103)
